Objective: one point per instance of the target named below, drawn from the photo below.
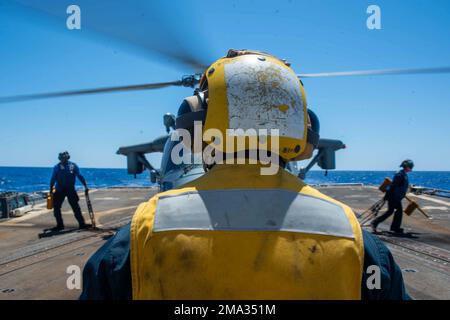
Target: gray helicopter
(171, 175)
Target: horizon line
(124, 168)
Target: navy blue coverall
(394, 195)
(63, 178)
(107, 274)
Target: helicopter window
(21, 201)
(13, 204)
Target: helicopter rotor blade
(47, 95)
(141, 28)
(381, 72)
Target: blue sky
(382, 119)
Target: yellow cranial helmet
(250, 90)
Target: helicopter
(170, 175)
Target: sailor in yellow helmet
(246, 229)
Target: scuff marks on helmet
(264, 94)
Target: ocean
(30, 179)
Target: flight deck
(37, 268)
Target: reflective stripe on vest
(251, 210)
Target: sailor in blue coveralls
(394, 195)
(63, 179)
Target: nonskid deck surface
(33, 268)
(424, 253)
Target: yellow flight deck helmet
(251, 90)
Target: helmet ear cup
(313, 137)
(192, 109)
(313, 129)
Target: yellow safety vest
(237, 234)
